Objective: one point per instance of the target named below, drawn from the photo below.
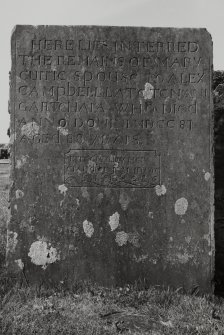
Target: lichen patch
(62, 189)
(30, 129)
(91, 167)
(141, 258)
(124, 200)
(188, 239)
(148, 91)
(63, 131)
(133, 238)
(207, 176)
(12, 241)
(43, 254)
(207, 237)
(121, 238)
(19, 194)
(183, 258)
(114, 221)
(85, 193)
(160, 190)
(181, 206)
(88, 228)
(20, 263)
(20, 162)
(150, 215)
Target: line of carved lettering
(141, 61)
(110, 123)
(124, 94)
(104, 139)
(104, 175)
(68, 90)
(116, 46)
(118, 109)
(87, 77)
(127, 157)
(123, 179)
(94, 141)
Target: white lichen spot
(43, 254)
(19, 194)
(121, 238)
(160, 190)
(191, 156)
(71, 247)
(148, 91)
(77, 202)
(63, 131)
(183, 258)
(20, 263)
(207, 237)
(181, 206)
(124, 200)
(85, 192)
(20, 162)
(150, 215)
(30, 129)
(141, 258)
(62, 189)
(15, 207)
(12, 240)
(171, 239)
(116, 165)
(88, 228)
(114, 221)
(188, 239)
(207, 176)
(133, 238)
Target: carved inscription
(109, 94)
(118, 168)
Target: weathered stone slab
(112, 162)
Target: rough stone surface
(112, 165)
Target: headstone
(112, 164)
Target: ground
(91, 310)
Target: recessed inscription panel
(117, 169)
(111, 151)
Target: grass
(87, 309)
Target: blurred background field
(4, 204)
